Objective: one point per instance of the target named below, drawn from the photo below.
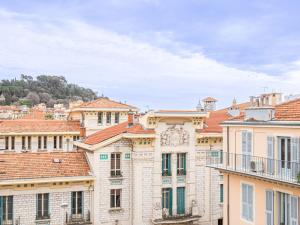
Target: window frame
(100, 118)
(44, 203)
(78, 210)
(8, 210)
(246, 204)
(115, 198)
(166, 164)
(45, 142)
(12, 140)
(181, 164)
(23, 142)
(108, 117)
(115, 169)
(117, 117)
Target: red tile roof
(41, 165)
(288, 111)
(212, 123)
(9, 107)
(113, 131)
(105, 103)
(22, 126)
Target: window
(12, 143)
(45, 142)
(39, 142)
(246, 149)
(181, 164)
(7, 209)
(221, 193)
(77, 203)
(29, 142)
(115, 198)
(247, 202)
(42, 206)
(167, 199)
(166, 164)
(220, 221)
(117, 117)
(108, 117)
(75, 138)
(23, 143)
(6, 143)
(55, 142)
(100, 117)
(60, 142)
(115, 164)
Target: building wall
(24, 201)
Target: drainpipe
(130, 187)
(228, 220)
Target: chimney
(130, 118)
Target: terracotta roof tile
(41, 165)
(35, 114)
(212, 123)
(288, 110)
(105, 103)
(113, 131)
(21, 126)
(209, 99)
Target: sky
(158, 54)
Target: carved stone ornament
(175, 135)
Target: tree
(33, 97)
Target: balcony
(78, 219)
(186, 218)
(267, 169)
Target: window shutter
(270, 154)
(269, 207)
(250, 202)
(163, 164)
(295, 156)
(249, 143)
(169, 164)
(171, 201)
(244, 142)
(244, 202)
(184, 164)
(294, 210)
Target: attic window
(56, 160)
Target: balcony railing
(278, 170)
(78, 219)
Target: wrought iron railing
(279, 170)
(186, 214)
(78, 218)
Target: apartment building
(50, 188)
(260, 162)
(153, 171)
(38, 135)
(100, 114)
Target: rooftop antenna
(265, 88)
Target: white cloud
(123, 67)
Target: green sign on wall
(103, 156)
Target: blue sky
(156, 53)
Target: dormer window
(117, 117)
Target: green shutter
(180, 200)
(170, 201)
(221, 193)
(169, 165)
(1, 210)
(184, 164)
(163, 164)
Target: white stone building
(51, 188)
(153, 171)
(100, 114)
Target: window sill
(118, 209)
(42, 220)
(116, 177)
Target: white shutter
(249, 143)
(244, 142)
(269, 207)
(250, 203)
(244, 202)
(295, 156)
(270, 155)
(294, 210)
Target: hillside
(44, 89)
